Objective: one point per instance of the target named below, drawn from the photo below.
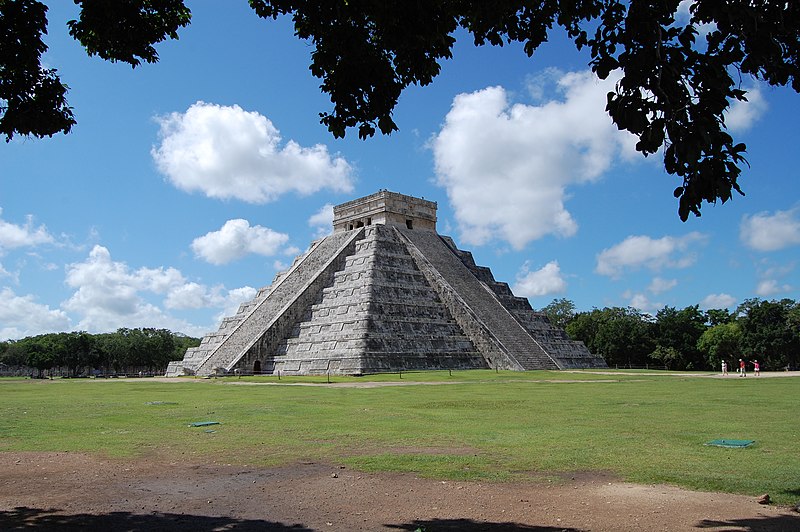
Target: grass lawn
(482, 425)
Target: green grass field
(483, 425)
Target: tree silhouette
(676, 83)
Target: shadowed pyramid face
(388, 294)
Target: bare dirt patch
(72, 491)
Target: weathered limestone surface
(379, 314)
(272, 313)
(385, 208)
(519, 348)
(388, 295)
(567, 353)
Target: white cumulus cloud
(195, 295)
(506, 167)
(233, 299)
(227, 152)
(22, 316)
(771, 287)
(642, 302)
(27, 235)
(740, 116)
(322, 220)
(108, 294)
(771, 232)
(236, 239)
(642, 251)
(717, 301)
(659, 285)
(188, 295)
(544, 281)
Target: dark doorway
(257, 367)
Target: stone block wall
(378, 314)
(567, 353)
(496, 354)
(272, 324)
(224, 348)
(384, 298)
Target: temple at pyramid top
(384, 292)
(385, 208)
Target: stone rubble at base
(384, 293)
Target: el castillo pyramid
(383, 293)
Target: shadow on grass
(778, 523)
(22, 518)
(793, 493)
(468, 525)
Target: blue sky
(189, 184)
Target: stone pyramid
(384, 293)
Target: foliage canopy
(125, 349)
(767, 331)
(676, 77)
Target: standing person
(724, 368)
(756, 368)
(742, 368)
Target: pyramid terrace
(383, 293)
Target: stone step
(513, 338)
(384, 298)
(255, 324)
(398, 312)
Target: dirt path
(69, 491)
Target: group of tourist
(743, 368)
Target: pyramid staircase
(378, 314)
(567, 353)
(381, 298)
(271, 311)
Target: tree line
(74, 354)
(687, 339)
(679, 339)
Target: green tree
(560, 312)
(56, 346)
(675, 85)
(620, 335)
(584, 326)
(124, 349)
(721, 342)
(182, 343)
(128, 349)
(716, 316)
(32, 98)
(680, 330)
(670, 357)
(80, 352)
(13, 353)
(38, 354)
(158, 346)
(112, 351)
(769, 332)
(164, 348)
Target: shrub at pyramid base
(384, 293)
